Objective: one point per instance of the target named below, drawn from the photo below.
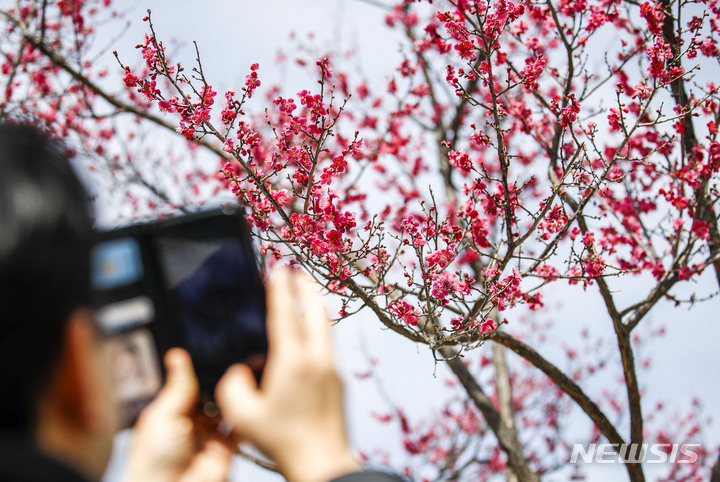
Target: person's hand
(296, 416)
(171, 441)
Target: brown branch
(627, 357)
(507, 437)
(703, 212)
(503, 388)
(565, 383)
(641, 309)
(628, 364)
(622, 333)
(384, 319)
(60, 61)
(715, 475)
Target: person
(57, 416)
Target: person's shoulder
(370, 476)
(21, 461)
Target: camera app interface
(219, 301)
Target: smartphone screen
(212, 285)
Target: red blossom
(701, 229)
(405, 311)
(654, 16)
(531, 73)
(594, 267)
(461, 160)
(252, 81)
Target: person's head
(49, 356)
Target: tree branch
(507, 437)
(565, 383)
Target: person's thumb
(238, 396)
(181, 390)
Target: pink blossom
(444, 286)
(130, 79)
(313, 102)
(252, 81)
(532, 71)
(506, 292)
(594, 267)
(654, 16)
(685, 273)
(701, 229)
(569, 114)
(709, 48)
(461, 160)
(229, 145)
(588, 239)
(488, 326)
(658, 271)
(282, 197)
(405, 311)
(441, 257)
(615, 119)
(534, 302)
(574, 272)
(547, 271)
(553, 222)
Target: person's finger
(209, 429)
(238, 396)
(180, 393)
(212, 463)
(315, 320)
(284, 332)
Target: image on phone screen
(218, 299)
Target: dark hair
(45, 242)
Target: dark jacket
(20, 461)
(369, 477)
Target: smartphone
(191, 281)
